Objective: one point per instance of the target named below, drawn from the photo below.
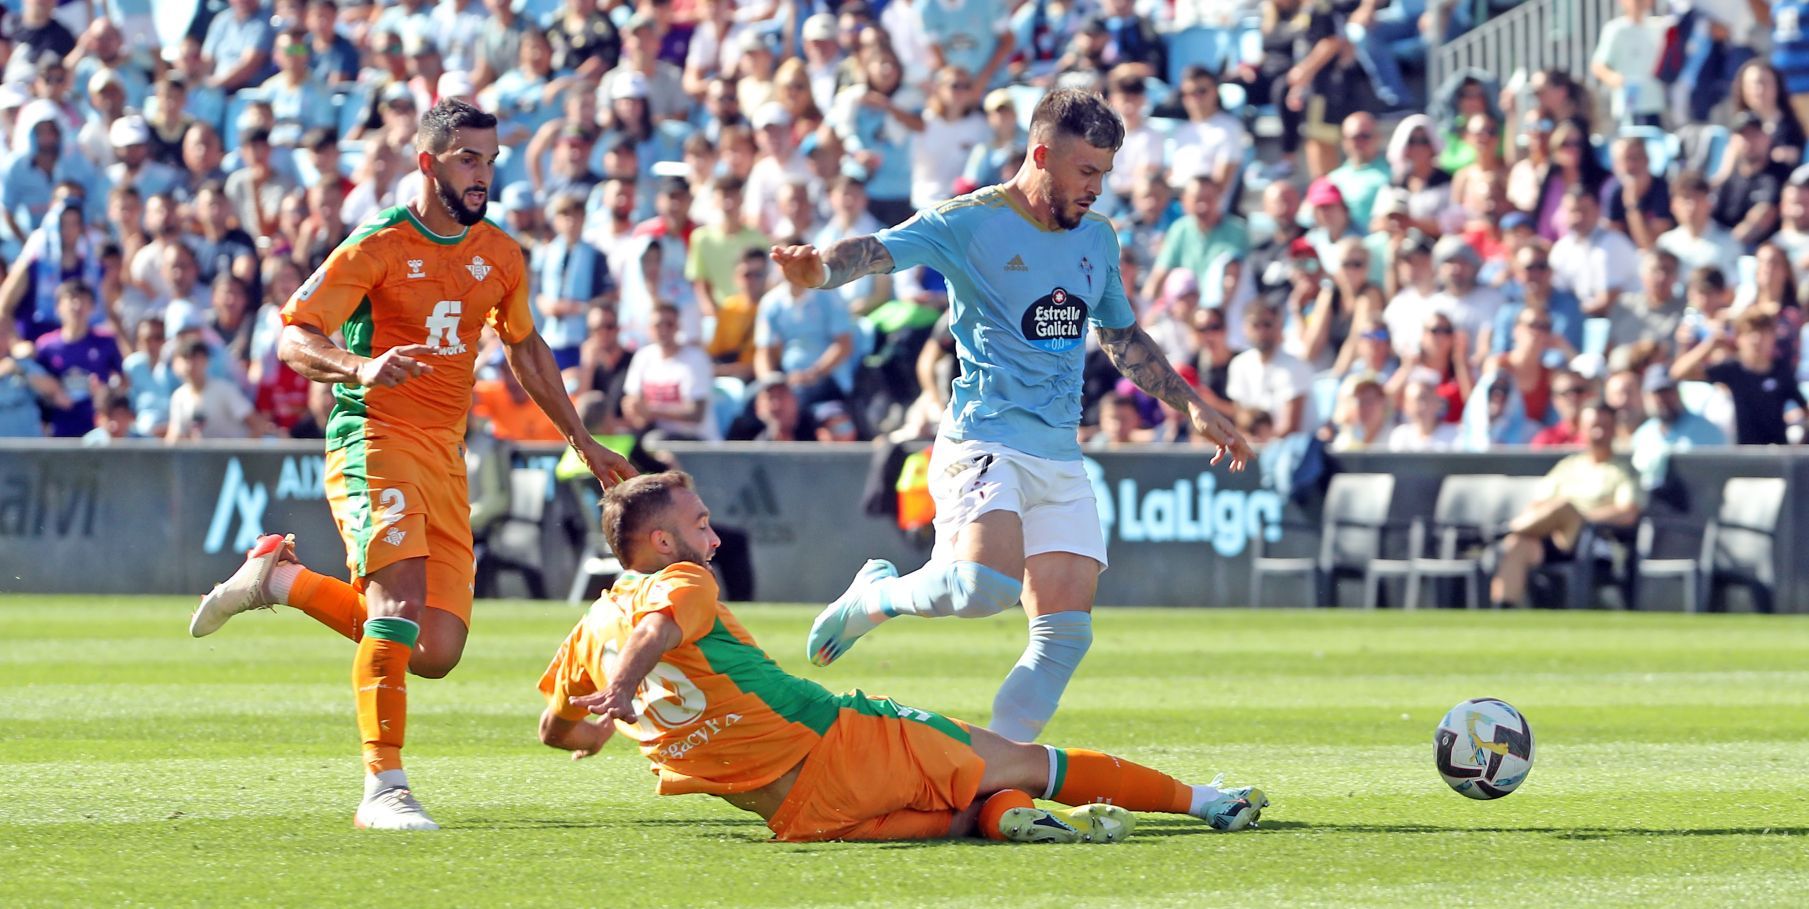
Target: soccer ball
(1483, 748)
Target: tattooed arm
(834, 265)
(1136, 355)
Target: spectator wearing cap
(1626, 60)
(1362, 418)
(237, 48)
(1413, 282)
(256, 191)
(1213, 142)
(1594, 262)
(298, 100)
(662, 83)
(571, 277)
(425, 67)
(1204, 241)
(1005, 137)
(1169, 320)
(1669, 428)
(806, 335)
(106, 103)
(776, 163)
(524, 218)
(1747, 364)
(1472, 305)
(1413, 153)
(1535, 288)
(773, 414)
(874, 118)
(1746, 199)
(334, 57)
(753, 72)
(1330, 216)
(1698, 240)
(1364, 174)
(1371, 351)
(1270, 379)
(822, 58)
(974, 35)
(1633, 201)
(953, 128)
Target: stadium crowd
(1409, 267)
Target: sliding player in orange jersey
(410, 292)
(671, 666)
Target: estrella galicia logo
(1056, 322)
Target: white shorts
(1053, 499)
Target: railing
(1535, 35)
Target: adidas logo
(1016, 264)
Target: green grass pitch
(138, 766)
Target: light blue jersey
(1020, 300)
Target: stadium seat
(1738, 546)
(518, 543)
(1451, 545)
(1200, 45)
(1351, 535)
(353, 105)
(1325, 396)
(1711, 144)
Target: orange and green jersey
(394, 283)
(717, 715)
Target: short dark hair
(74, 287)
(194, 347)
(1708, 278)
(631, 508)
(674, 186)
(1580, 192)
(318, 138)
(434, 136)
(729, 184)
(1072, 112)
(1690, 182)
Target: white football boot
(394, 808)
(247, 589)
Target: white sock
(388, 779)
(1203, 796)
(282, 579)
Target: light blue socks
(1033, 688)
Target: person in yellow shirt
(731, 347)
(661, 660)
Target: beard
(1068, 215)
(685, 553)
(455, 203)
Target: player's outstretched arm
(308, 351)
(834, 265)
(579, 737)
(1141, 360)
(654, 634)
(538, 373)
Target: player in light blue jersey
(1029, 267)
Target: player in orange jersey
(410, 292)
(671, 666)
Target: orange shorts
(397, 499)
(883, 772)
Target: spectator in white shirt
(1697, 240)
(952, 128)
(1213, 142)
(1594, 262)
(1144, 148)
(204, 408)
(1471, 305)
(1269, 379)
(1425, 428)
(669, 385)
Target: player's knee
(977, 591)
(432, 666)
